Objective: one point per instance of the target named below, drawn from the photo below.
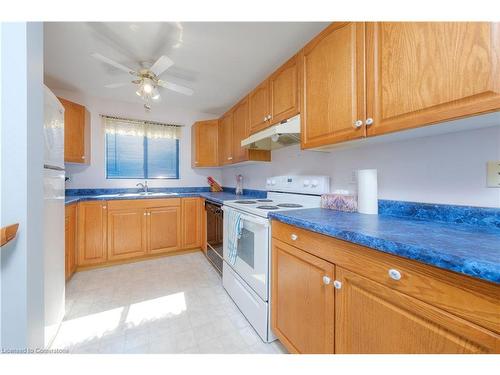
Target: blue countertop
(463, 248)
(218, 197)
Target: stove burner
(290, 205)
(268, 207)
(245, 202)
(264, 200)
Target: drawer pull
(394, 274)
(294, 237)
(326, 280)
(337, 284)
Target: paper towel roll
(367, 191)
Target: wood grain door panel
(126, 233)
(302, 305)
(333, 85)
(205, 144)
(74, 132)
(374, 319)
(226, 139)
(164, 229)
(191, 222)
(283, 91)
(258, 106)
(241, 130)
(420, 73)
(92, 230)
(70, 240)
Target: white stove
(246, 266)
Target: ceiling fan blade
(176, 87)
(115, 85)
(113, 63)
(162, 64)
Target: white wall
(93, 175)
(22, 266)
(448, 168)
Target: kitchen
(346, 191)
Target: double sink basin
(133, 195)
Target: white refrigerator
(53, 221)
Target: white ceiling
(220, 61)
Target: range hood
(286, 133)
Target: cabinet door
(204, 144)
(302, 304)
(191, 222)
(333, 85)
(164, 229)
(241, 131)
(226, 139)
(373, 318)
(420, 73)
(126, 233)
(258, 106)
(91, 236)
(74, 132)
(70, 240)
(283, 92)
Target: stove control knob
(268, 181)
(314, 183)
(306, 183)
(273, 182)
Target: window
(141, 150)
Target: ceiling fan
(146, 78)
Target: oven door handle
(251, 219)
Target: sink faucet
(143, 186)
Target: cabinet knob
(83, 157)
(230, 158)
(104, 207)
(357, 124)
(265, 118)
(294, 237)
(145, 213)
(394, 274)
(269, 117)
(196, 162)
(337, 284)
(369, 121)
(326, 280)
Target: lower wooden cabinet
(126, 233)
(164, 229)
(70, 240)
(375, 319)
(192, 211)
(332, 296)
(302, 300)
(92, 224)
(119, 230)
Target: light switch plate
(493, 174)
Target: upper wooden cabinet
(276, 99)
(226, 139)
(91, 233)
(420, 73)
(204, 144)
(258, 106)
(332, 69)
(240, 132)
(76, 133)
(284, 91)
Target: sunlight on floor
(168, 305)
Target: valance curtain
(114, 125)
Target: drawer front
(142, 203)
(471, 299)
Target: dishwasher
(215, 221)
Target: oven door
(252, 257)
